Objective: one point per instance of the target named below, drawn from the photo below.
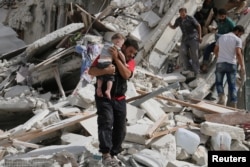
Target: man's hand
(114, 52)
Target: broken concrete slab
(49, 40)
(210, 129)
(166, 145)
(151, 18)
(134, 114)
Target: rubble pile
(169, 121)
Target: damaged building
(47, 107)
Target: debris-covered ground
(48, 110)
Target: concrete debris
(47, 104)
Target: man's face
(183, 14)
(129, 52)
(238, 33)
(222, 17)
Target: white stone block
(150, 158)
(221, 141)
(75, 139)
(153, 109)
(91, 126)
(136, 133)
(134, 114)
(166, 145)
(187, 140)
(237, 145)
(87, 93)
(201, 156)
(210, 129)
(151, 18)
(141, 32)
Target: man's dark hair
(222, 11)
(183, 9)
(131, 42)
(239, 28)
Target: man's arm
(240, 58)
(171, 25)
(93, 70)
(199, 32)
(216, 51)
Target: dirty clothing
(190, 41)
(112, 114)
(227, 63)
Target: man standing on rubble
(191, 36)
(112, 112)
(228, 50)
(221, 25)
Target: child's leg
(109, 86)
(99, 87)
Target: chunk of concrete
(173, 77)
(69, 110)
(140, 32)
(166, 145)
(153, 109)
(90, 125)
(237, 145)
(134, 114)
(136, 133)
(75, 139)
(17, 90)
(87, 93)
(210, 129)
(151, 18)
(181, 154)
(149, 157)
(201, 156)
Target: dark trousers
(111, 122)
(207, 52)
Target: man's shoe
(222, 99)
(110, 162)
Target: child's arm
(122, 57)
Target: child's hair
(117, 36)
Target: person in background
(223, 24)
(238, 4)
(203, 13)
(228, 50)
(111, 113)
(191, 37)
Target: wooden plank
(47, 130)
(164, 132)
(207, 107)
(229, 118)
(25, 144)
(156, 125)
(155, 93)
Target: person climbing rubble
(191, 37)
(228, 50)
(221, 25)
